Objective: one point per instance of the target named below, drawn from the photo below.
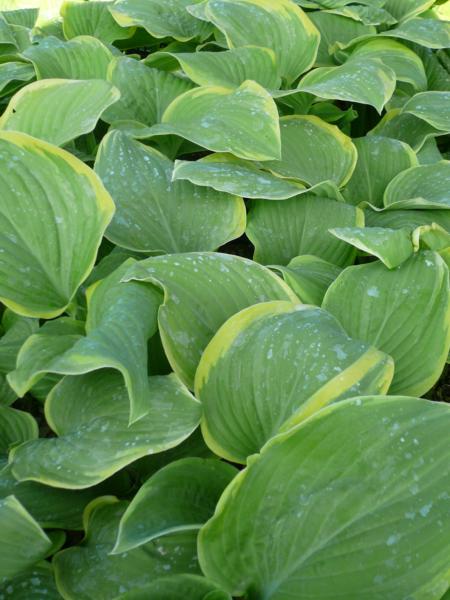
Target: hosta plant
(224, 299)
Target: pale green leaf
(281, 26)
(391, 246)
(53, 214)
(177, 587)
(421, 186)
(366, 81)
(282, 230)
(90, 416)
(16, 426)
(13, 75)
(169, 18)
(84, 57)
(431, 107)
(404, 312)
(90, 572)
(191, 313)
(273, 365)
(380, 159)
(58, 110)
(154, 214)
(181, 496)
(405, 9)
(431, 33)
(338, 506)
(92, 18)
(23, 542)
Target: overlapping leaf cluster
(224, 277)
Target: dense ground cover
(225, 307)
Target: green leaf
(335, 28)
(273, 365)
(178, 587)
(226, 173)
(181, 496)
(89, 571)
(422, 187)
(380, 159)
(160, 20)
(26, 17)
(92, 18)
(58, 110)
(282, 26)
(405, 9)
(366, 81)
(48, 247)
(431, 33)
(431, 237)
(90, 416)
(391, 246)
(405, 63)
(16, 330)
(13, 75)
(243, 121)
(313, 151)
(155, 215)
(230, 68)
(368, 15)
(309, 277)
(338, 506)
(192, 283)
(145, 93)
(429, 153)
(82, 58)
(23, 542)
(121, 319)
(406, 218)
(36, 582)
(282, 230)
(16, 426)
(404, 312)
(431, 107)
(55, 507)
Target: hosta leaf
(431, 107)
(121, 320)
(16, 426)
(283, 27)
(274, 364)
(282, 230)
(53, 214)
(405, 9)
(90, 572)
(36, 582)
(81, 58)
(230, 68)
(406, 128)
(243, 121)
(335, 28)
(16, 330)
(405, 63)
(145, 93)
(309, 277)
(191, 315)
(368, 15)
(160, 20)
(92, 18)
(431, 237)
(366, 81)
(58, 110)
(391, 246)
(404, 312)
(155, 215)
(226, 173)
(90, 415)
(431, 33)
(380, 159)
(23, 541)
(338, 506)
(26, 17)
(422, 186)
(55, 507)
(407, 218)
(181, 496)
(313, 151)
(178, 587)
(429, 153)
(13, 75)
